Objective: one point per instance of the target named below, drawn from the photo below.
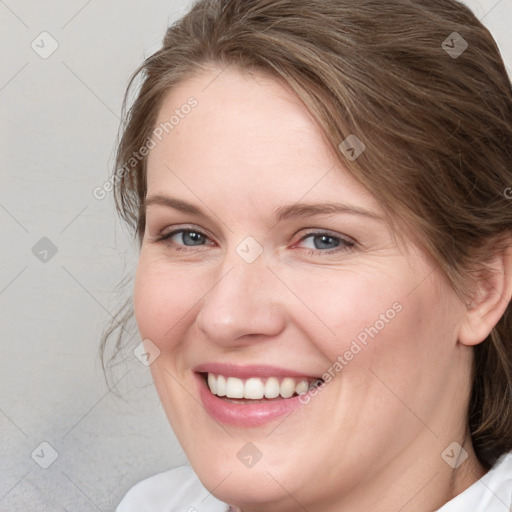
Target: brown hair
(437, 127)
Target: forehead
(248, 134)
(245, 111)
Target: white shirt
(180, 490)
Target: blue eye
(187, 237)
(325, 242)
(314, 243)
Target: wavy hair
(435, 117)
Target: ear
(490, 299)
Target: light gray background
(59, 123)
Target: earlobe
(492, 295)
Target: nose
(242, 304)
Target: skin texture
(372, 439)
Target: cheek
(163, 300)
(378, 321)
(344, 306)
(391, 334)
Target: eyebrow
(170, 202)
(295, 210)
(305, 210)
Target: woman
(325, 262)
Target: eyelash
(346, 243)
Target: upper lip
(247, 371)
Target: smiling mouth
(256, 389)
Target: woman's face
(263, 284)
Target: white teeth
(255, 388)
(271, 388)
(287, 387)
(302, 387)
(212, 383)
(221, 386)
(234, 388)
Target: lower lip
(245, 414)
